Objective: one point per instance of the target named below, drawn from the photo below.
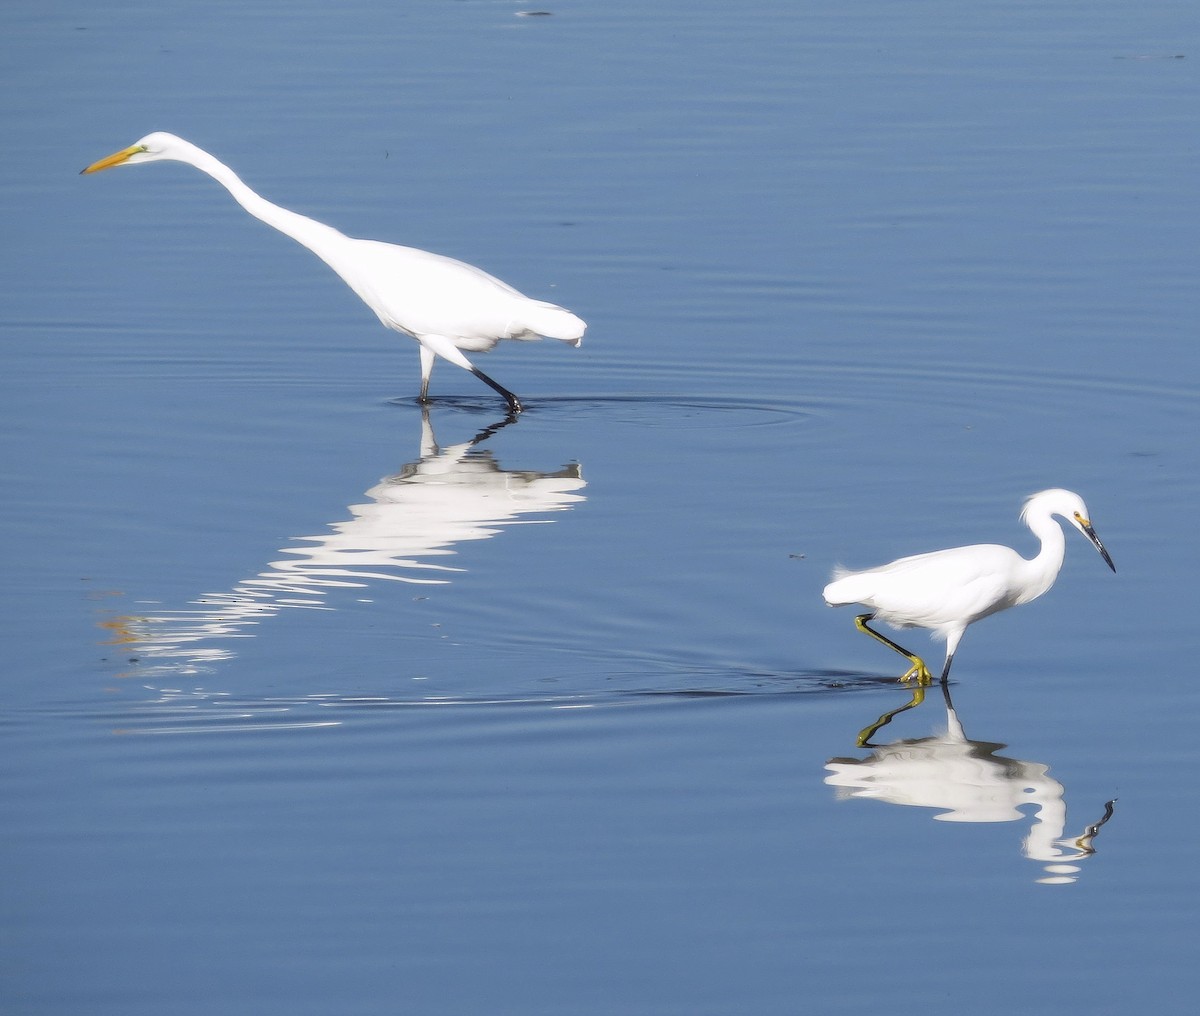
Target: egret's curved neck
(1044, 568)
(312, 234)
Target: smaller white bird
(947, 590)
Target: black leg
(514, 404)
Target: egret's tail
(846, 587)
(554, 322)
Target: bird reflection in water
(446, 497)
(970, 783)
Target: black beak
(1091, 535)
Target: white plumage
(947, 590)
(446, 305)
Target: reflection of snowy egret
(947, 590)
(969, 781)
(446, 305)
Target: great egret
(947, 590)
(446, 305)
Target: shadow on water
(969, 782)
(654, 411)
(197, 710)
(415, 517)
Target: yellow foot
(918, 671)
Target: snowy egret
(947, 590)
(446, 305)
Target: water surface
(317, 703)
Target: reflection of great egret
(446, 305)
(446, 497)
(971, 783)
(947, 590)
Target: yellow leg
(865, 735)
(918, 668)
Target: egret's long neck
(312, 234)
(1044, 568)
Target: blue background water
(857, 280)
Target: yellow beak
(113, 160)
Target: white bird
(446, 305)
(947, 590)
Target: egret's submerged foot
(514, 404)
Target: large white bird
(446, 305)
(947, 590)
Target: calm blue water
(317, 703)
